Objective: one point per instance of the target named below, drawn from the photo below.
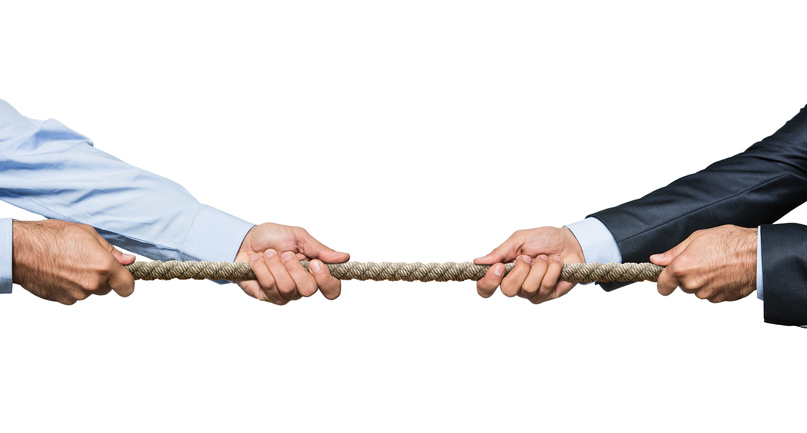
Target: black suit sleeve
(784, 262)
(752, 188)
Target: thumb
(666, 257)
(121, 281)
(314, 249)
(504, 253)
(123, 258)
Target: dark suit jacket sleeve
(752, 188)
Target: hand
(274, 252)
(718, 264)
(67, 262)
(539, 255)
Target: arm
(53, 171)
(756, 187)
(146, 213)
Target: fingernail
(498, 270)
(527, 259)
(315, 266)
(287, 255)
(269, 253)
(255, 257)
(557, 259)
(543, 256)
(127, 256)
(657, 257)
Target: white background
(404, 131)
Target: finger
(666, 282)
(254, 289)
(511, 285)
(124, 259)
(533, 281)
(283, 281)
(331, 287)
(549, 282)
(314, 249)
(665, 258)
(305, 283)
(120, 280)
(488, 284)
(266, 282)
(101, 291)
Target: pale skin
(717, 264)
(68, 262)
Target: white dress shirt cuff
(597, 242)
(214, 235)
(6, 280)
(759, 263)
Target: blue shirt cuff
(759, 263)
(214, 235)
(597, 242)
(6, 280)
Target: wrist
(573, 247)
(20, 235)
(749, 247)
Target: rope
(386, 271)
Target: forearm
(753, 188)
(53, 171)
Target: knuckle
(484, 292)
(92, 284)
(508, 290)
(285, 287)
(676, 271)
(277, 301)
(529, 289)
(692, 282)
(310, 286)
(267, 282)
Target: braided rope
(387, 271)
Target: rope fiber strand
(388, 271)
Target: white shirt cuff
(759, 263)
(6, 280)
(597, 242)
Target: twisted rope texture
(387, 271)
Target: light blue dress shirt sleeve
(48, 169)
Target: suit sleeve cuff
(6, 280)
(597, 242)
(214, 235)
